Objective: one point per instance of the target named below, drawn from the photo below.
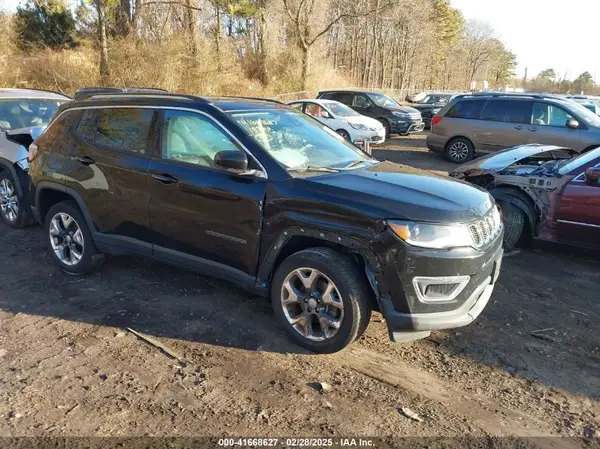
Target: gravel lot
(69, 367)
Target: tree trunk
(305, 66)
(218, 37)
(136, 16)
(262, 52)
(104, 67)
(123, 18)
(191, 26)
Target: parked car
(481, 123)
(549, 192)
(348, 123)
(417, 97)
(396, 119)
(431, 104)
(262, 195)
(591, 103)
(23, 112)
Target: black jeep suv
(395, 118)
(259, 194)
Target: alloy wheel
(312, 304)
(459, 151)
(9, 203)
(66, 239)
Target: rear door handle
(85, 160)
(533, 130)
(165, 178)
(518, 128)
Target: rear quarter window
(467, 109)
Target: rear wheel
(12, 208)
(514, 223)
(459, 150)
(321, 299)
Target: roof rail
(511, 94)
(88, 92)
(272, 100)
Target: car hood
(405, 109)
(390, 190)
(501, 159)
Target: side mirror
(232, 160)
(572, 123)
(592, 176)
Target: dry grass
(167, 65)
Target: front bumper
(408, 316)
(406, 125)
(373, 137)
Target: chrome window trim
(589, 225)
(174, 108)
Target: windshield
(383, 101)
(341, 110)
(24, 113)
(579, 161)
(585, 114)
(437, 99)
(297, 141)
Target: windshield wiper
(312, 168)
(353, 164)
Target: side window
(343, 98)
(88, 123)
(193, 138)
(467, 109)
(512, 111)
(545, 114)
(360, 101)
(125, 129)
(314, 110)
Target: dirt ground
(70, 367)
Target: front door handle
(165, 178)
(518, 128)
(85, 160)
(533, 130)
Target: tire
(13, 209)
(79, 254)
(350, 291)
(386, 125)
(459, 150)
(513, 219)
(344, 134)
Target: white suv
(345, 121)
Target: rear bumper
(409, 316)
(436, 143)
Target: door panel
(578, 217)
(201, 212)
(506, 123)
(108, 169)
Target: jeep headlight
(434, 236)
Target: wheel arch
(48, 193)
(293, 240)
(520, 199)
(460, 136)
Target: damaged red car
(546, 192)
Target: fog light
(439, 289)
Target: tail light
(33, 150)
(436, 119)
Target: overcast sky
(558, 34)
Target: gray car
(483, 123)
(24, 114)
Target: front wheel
(344, 134)
(70, 240)
(386, 126)
(321, 299)
(513, 219)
